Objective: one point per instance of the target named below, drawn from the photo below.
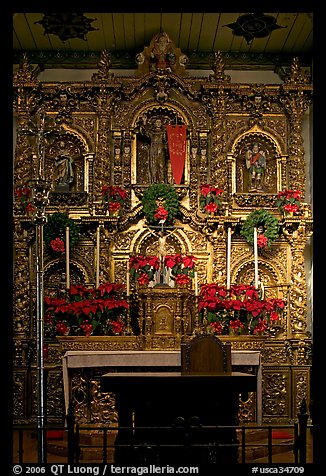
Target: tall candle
(128, 282)
(196, 283)
(228, 261)
(97, 257)
(67, 259)
(256, 257)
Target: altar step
(257, 443)
(91, 446)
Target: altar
(160, 361)
(176, 418)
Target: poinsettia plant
(289, 201)
(143, 268)
(210, 199)
(182, 267)
(84, 311)
(114, 197)
(238, 310)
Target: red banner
(177, 150)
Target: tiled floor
(30, 451)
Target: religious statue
(64, 173)
(162, 274)
(256, 164)
(157, 153)
(162, 53)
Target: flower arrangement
(114, 197)
(267, 228)
(143, 268)
(85, 312)
(24, 196)
(288, 202)
(55, 232)
(182, 268)
(160, 202)
(238, 310)
(210, 199)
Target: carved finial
(295, 75)
(218, 68)
(104, 66)
(25, 73)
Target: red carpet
(281, 434)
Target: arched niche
(272, 279)
(147, 132)
(256, 157)
(55, 275)
(67, 161)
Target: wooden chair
(205, 354)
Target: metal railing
(148, 450)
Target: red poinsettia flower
(173, 260)
(138, 262)
(181, 279)
(143, 278)
(114, 206)
(161, 214)
(217, 326)
(262, 240)
(291, 207)
(205, 189)
(189, 261)
(153, 261)
(261, 326)
(58, 245)
(211, 207)
(236, 325)
(87, 327)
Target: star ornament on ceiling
(254, 25)
(67, 26)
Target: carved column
(297, 238)
(102, 171)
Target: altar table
(175, 410)
(160, 360)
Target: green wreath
(169, 197)
(264, 219)
(55, 227)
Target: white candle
(128, 282)
(67, 259)
(97, 257)
(256, 257)
(196, 283)
(228, 261)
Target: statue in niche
(256, 165)
(64, 171)
(154, 133)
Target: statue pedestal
(165, 315)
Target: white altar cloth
(149, 358)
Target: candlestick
(97, 257)
(256, 257)
(228, 261)
(67, 259)
(196, 283)
(128, 282)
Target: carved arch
(245, 178)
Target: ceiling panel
(198, 35)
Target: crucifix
(160, 232)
